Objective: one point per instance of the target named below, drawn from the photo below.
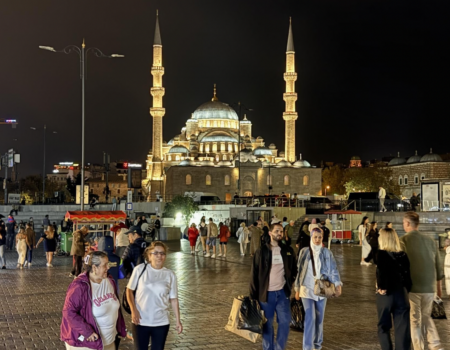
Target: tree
(181, 204)
(334, 177)
(370, 179)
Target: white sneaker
(25, 264)
(50, 265)
(213, 256)
(219, 255)
(224, 256)
(29, 265)
(47, 264)
(207, 255)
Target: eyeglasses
(158, 253)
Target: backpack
(106, 244)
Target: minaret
(290, 96)
(157, 111)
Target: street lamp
(326, 188)
(43, 169)
(82, 52)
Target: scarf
(316, 249)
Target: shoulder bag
(125, 304)
(322, 287)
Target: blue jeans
(276, 301)
(313, 332)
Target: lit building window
(286, 180)
(118, 191)
(227, 180)
(269, 180)
(208, 180)
(306, 180)
(400, 180)
(405, 181)
(169, 158)
(188, 179)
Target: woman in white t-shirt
(156, 290)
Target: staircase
(301, 219)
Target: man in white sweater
(381, 197)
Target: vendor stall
(342, 224)
(99, 223)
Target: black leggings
(142, 335)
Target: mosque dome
(431, 157)
(207, 163)
(301, 163)
(218, 137)
(414, 159)
(186, 162)
(215, 110)
(178, 149)
(283, 164)
(262, 151)
(272, 146)
(397, 160)
(170, 142)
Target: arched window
(227, 180)
(118, 191)
(208, 180)
(422, 176)
(306, 180)
(177, 158)
(405, 181)
(416, 179)
(169, 158)
(286, 180)
(400, 180)
(269, 180)
(225, 157)
(188, 179)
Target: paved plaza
(31, 301)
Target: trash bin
(66, 242)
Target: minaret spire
(157, 110)
(290, 96)
(215, 94)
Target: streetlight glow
(48, 48)
(116, 55)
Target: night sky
(372, 74)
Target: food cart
(99, 223)
(342, 226)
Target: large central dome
(215, 110)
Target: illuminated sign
(65, 163)
(128, 165)
(10, 121)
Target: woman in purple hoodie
(92, 318)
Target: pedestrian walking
(393, 285)
(426, 275)
(91, 316)
(304, 237)
(203, 230)
(315, 262)
(156, 290)
(21, 247)
(192, 236)
(273, 272)
(285, 222)
(31, 237)
(11, 227)
(157, 227)
(122, 241)
(363, 231)
(414, 201)
(2, 244)
(133, 254)
(224, 234)
(242, 235)
(212, 234)
(114, 203)
(289, 232)
(381, 198)
(372, 239)
(326, 234)
(46, 223)
(49, 239)
(78, 250)
(31, 222)
(314, 224)
(255, 233)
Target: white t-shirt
(155, 289)
(105, 308)
(276, 278)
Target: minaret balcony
(157, 91)
(290, 76)
(157, 111)
(157, 70)
(290, 96)
(290, 115)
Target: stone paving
(31, 301)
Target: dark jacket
(260, 272)
(132, 256)
(157, 224)
(77, 316)
(3, 234)
(11, 227)
(303, 238)
(393, 271)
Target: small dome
(207, 163)
(397, 160)
(259, 138)
(272, 146)
(431, 157)
(355, 158)
(193, 137)
(224, 163)
(302, 164)
(281, 154)
(218, 138)
(215, 110)
(283, 164)
(170, 142)
(246, 155)
(178, 149)
(186, 162)
(262, 151)
(414, 159)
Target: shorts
(225, 243)
(212, 241)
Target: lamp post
(326, 188)
(82, 53)
(43, 166)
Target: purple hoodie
(77, 317)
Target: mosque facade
(216, 152)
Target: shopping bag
(297, 315)
(233, 320)
(438, 311)
(250, 316)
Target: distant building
(355, 162)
